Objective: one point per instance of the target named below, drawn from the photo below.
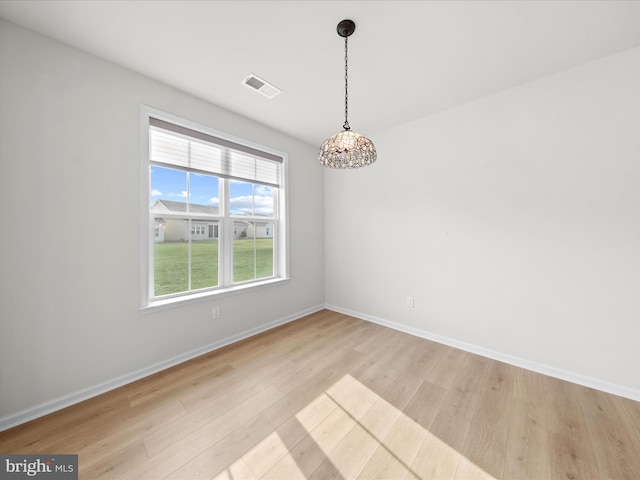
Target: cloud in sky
(155, 193)
(263, 190)
(262, 205)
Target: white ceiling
(407, 59)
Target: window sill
(200, 297)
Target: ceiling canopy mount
(346, 28)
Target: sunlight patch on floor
(349, 431)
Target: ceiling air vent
(261, 86)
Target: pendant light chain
(347, 149)
(346, 85)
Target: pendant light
(347, 149)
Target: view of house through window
(214, 211)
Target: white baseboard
(59, 403)
(595, 383)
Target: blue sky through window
(250, 199)
(245, 198)
(170, 184)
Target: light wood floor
(330, 396)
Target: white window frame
(225, 225)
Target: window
(214, 209)
(197, 230)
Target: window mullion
(227, 234)
(254, 225)
(255, 251)
(189, 227)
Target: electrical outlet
(216, 312)
(410, 302)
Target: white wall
(70, 237)
(514, 221)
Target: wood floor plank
(164, 437)
(167, 385)
(197, 396)
(527, 453)
(113, 464)
(238, 470)
(612, 445)
(104, 443)
(385, 411)
(355, 450)
(468, 470)
(380, 418)
(630, 411)
(375, 358)
(425, 404)
(397, 374)
(330, 396)
(570, 458)
(349, 457)
(311, 388)
(40, 434)
(435, 459)
(528, 385)
(486, 443)
(378, 337)
(325, 340)
(383, 465)
(314, 366)
(405, 439)
(564, 413)
(263, 456)
(453, 420)
(445, 370)
(215, 459)
(180, 451)
(306, 456)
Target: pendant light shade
(347, 149)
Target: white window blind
(192, 150)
